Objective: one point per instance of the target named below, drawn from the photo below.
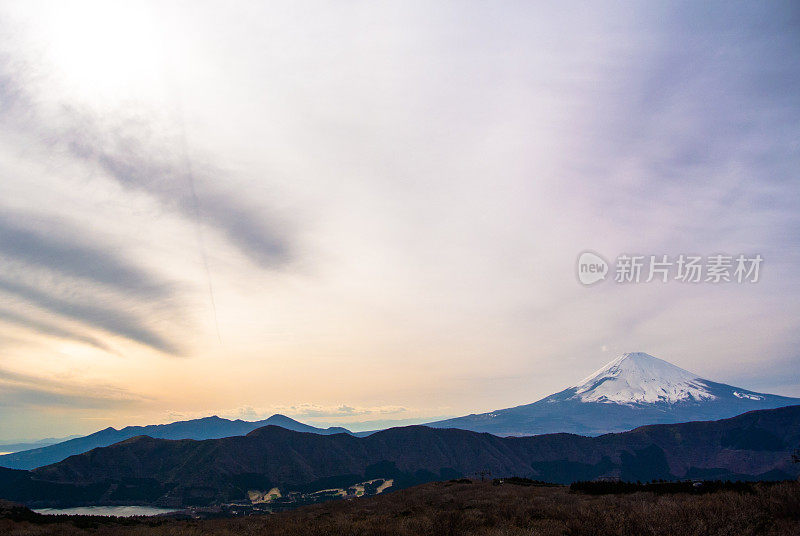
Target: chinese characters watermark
(741, 268)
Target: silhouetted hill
(142, 469)
(205, 428)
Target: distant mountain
(143, 470)
(205, 428)
(633, 390)
(16, 447)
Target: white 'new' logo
(591, 268)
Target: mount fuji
(633, 390)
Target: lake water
(119, 511)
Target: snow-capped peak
(637, 378)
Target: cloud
(342, 410)
(248, 413)
(72, 273)
(129, 153)
(74, 277)
(57, 250)
(700, 133)
(47, 328)
(125, 146)
(22, 390)
(298, 411)
(115, 320)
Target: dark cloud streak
(46, 328)
(56, 248)
(126, 153)
(116, 320)
(69, 256)
(125, 147)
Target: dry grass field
(447, 508)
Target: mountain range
(636, 389)
(633, 390)
(144, 470)
(205, 428)
(16, 447)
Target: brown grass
(442, 509)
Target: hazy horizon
(362, 213)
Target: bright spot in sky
(105, 50)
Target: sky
(370, 213)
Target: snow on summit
(636, 389)
(636, 378)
